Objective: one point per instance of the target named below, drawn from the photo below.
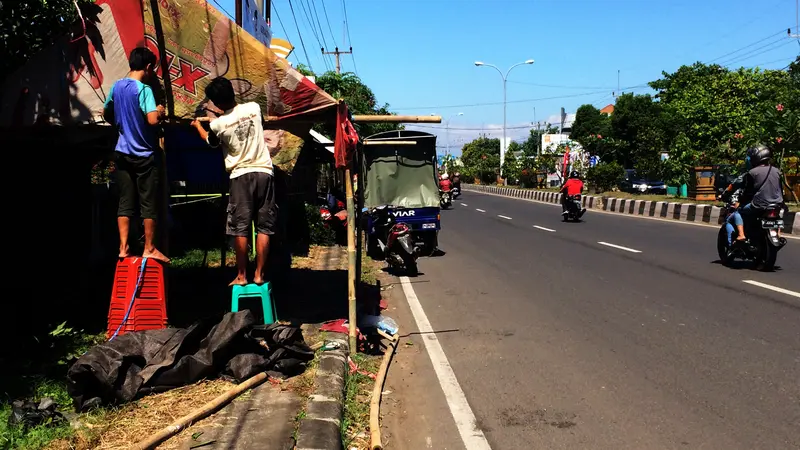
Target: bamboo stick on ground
(206, 410)
(377, 391)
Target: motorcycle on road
(575, 209)
(763, 244)
(445, 199)
(394, 240)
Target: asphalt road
(614, 333)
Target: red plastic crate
(149, 310)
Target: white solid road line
(467, 425)
(773, 288)
(543, 228)
(464, 204)
(503, 217)
(620, 247)
(479, 210)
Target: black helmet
(574, 174)
(759, 155)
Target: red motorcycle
(395, 241)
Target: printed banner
(68, 83)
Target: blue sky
(418, 55)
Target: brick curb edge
(320, 429)
(686, 212)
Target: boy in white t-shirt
(252, 189)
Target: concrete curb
(686, 212)
(320, 428)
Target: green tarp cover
(401, 175)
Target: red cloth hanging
(346, 137)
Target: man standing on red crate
(252, 190)
(131, 107)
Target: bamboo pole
(377, 391)
(390, 142)
(397, 119)
(206, 410)
(351, 260)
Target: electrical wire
(515, 101)
(349, 39)
(325, 58)
(285, 34)
(783, 30)
(302, 44)
(330, 29)
(754, 52)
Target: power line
(224, 10)
(310, 23)
(330, 29)
(754, 52)
(783, 30)
(563, 86)
(516, 101)
(302, 44)
(349, 39)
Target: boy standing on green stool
(252, 189)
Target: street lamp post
(447, 132)
(505, 79)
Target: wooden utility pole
(337, 53)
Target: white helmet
(445, 176)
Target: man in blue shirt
(131, 107)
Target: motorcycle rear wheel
(722, 246)
(770, 255)
(410, 264)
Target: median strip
(620, 247)
(773, 288)
(544, 229)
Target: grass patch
(198, 258)
(358, 392)
(369, 269)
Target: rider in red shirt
(573, 186)
(445, 184)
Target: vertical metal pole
(238, 12)
(503, 144)
(351, 260)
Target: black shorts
(137, 177)
(252, 200)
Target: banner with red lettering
(68, 83)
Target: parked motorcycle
(395, 241)
(445, 199)
(763, 245)
(575, 209)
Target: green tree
(639, 131)
(511, 164)
(359, 98)
(711, 105)
(606, 176)
(589, 121)
(481, 158)
(29, 26)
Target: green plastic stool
(255, 291)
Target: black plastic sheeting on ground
(143, 362)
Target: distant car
(633, 183)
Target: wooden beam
(397, 119)
(390, 142)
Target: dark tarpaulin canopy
(143, 362)
(401, 175)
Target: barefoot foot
(238, 281)
(156, 254)
(124, 252)
(259, 280)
